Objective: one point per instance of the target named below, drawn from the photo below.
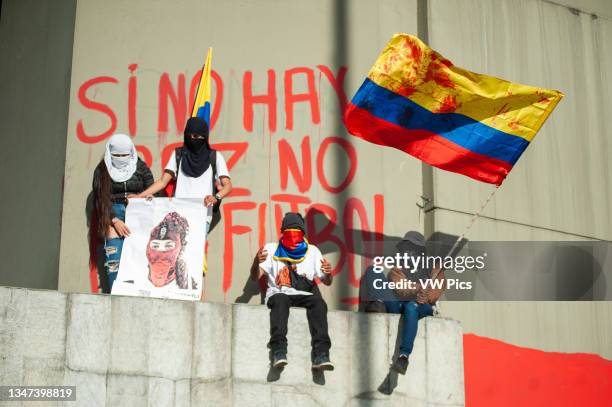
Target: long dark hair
(102, 200)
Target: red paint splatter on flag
(513, 124)
(415, 52)
(446, 62)
(406, 90)
(448, 105)
(434, 73)
(503, 109)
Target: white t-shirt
(310, 267)
(200, 187)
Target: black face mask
(195, 145)
(196, 159)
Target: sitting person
(291, 266)
(412, 304)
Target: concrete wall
(553, 326)
(261, 38)
(559, 189)
(124, 351)
(35, 61)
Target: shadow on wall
(316, 222)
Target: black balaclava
(293, 220)
(196, 155)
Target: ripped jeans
(112, 248)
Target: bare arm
(256, 271)
(327, 271)
(432, 294)
(397, 276)
(157, 185)
(226, 188)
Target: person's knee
(319, 304)
(411, 309)
(425, 310)
(278, 300)
(112, 266)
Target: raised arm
(256, 271)
(326, 268)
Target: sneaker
(401, 364)
(322, 362)
(280, 359)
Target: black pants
(316, 312)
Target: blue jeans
(411, 312)
(112, 248)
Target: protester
(412, 304)
(196, 167)
(292, 267)
(119, 174)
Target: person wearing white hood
(119, 174)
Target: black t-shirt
(138, 182)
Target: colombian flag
(201, 105)
(417, 101)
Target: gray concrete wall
(553, 326)
(35, 61)
(125, 351)
(560, 189)
(257, 36)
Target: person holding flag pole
(196, 167)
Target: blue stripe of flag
(460, 129)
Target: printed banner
(164, 254)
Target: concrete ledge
(122, 351)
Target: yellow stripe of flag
(410, 68)
(203, 94)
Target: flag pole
(475, 216)
(473, 219)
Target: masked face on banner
(164, 251)
(162, 256)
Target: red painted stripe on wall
(499, 374)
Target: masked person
(164, 252)
(413, 304)
(193, 166)
(119, 174)
(292, 266)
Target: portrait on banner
(163, 256)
